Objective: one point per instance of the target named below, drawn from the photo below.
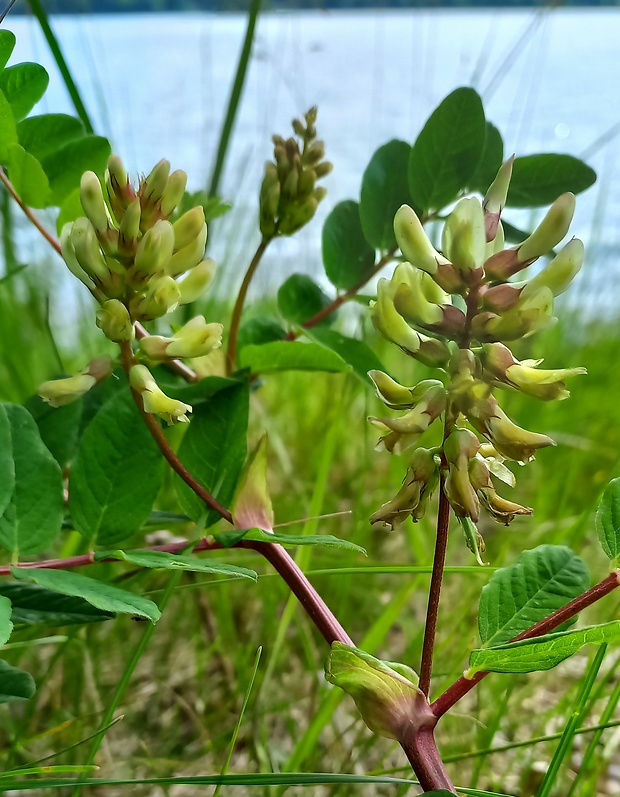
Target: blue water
(157, 85)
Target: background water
(157, 86)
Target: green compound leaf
(6, 626)
(492, 158)
(214, 450)
(299, 298)
(34, 605)
(540, 179)
(608, 520)
(42, 135)
(70, 209)
(229, 538)
(195, 392)
(258, 331)
(7, 45)
(23, 86)
(116, 474)
(541, 653)
(290, 356)
(8, 128)
(28, 177)
(538, 583)
(356, 353)
(448, 150)
(169, 561)
(32, 519)
(65, 166)
(15, 684)
(101, 596)
(58, 427)
(347, 256)
(384, 189)
(7, 464)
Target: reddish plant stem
(421, 751)
(28, 212)
(432, 611)
(343, 297)
(464, 685)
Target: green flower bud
(509, 440)
(155, 400)
(87, 250)
(173, 192)
(411, 301)
(154, 251)
(161, 296)
(269, 199)
(120, 191)
(411, 500)
(114, 321)
(403, 432)
(393, 395)
(323, 169)
(550, 231)
(59, 392)
(68, 253)
(495, 199)
(297, 215)
(189, 256)
(388, 321)
(414, 242)
(194, 339)
(91, 198)
(460, 448)
(464, 238)
(153, 187)
(129, 230)
(385, 693)
(188, 227)
(562, 270)
(195, 284)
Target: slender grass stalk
(128, 672)
(244, 705)
(235, 97)
(573, 723)
(61, 63)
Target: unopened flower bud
(154, 251)
(388, 321)
(195, 284)
(385, 693)
(155, 400)
(120, 191)
(562, 270)
(495, 199)
(129, 230)
(460, 448)
(114, 321)
(188, 227)
(464, 238)
(68, 254)
(550, 231)
(161, 296)
(189, 256)
(91, 198)
(155, 184)
(173, 193)
(414, 242)
(393, 395)
(87, 249)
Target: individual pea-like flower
(59, 392)
(194, 339)
(154, 400)
(457, 309)
(412, 499)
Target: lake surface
(157, 86)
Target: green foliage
(290, 356)
(491, 159)
(537, 584)
(355, 353)
(299, 298)
(228, 538)
(7, 45)
(97, 593)
(58, 427)
(15, 684)
(214, 449)
(448, 150)
(23, 85)
(260, 330)
(541, 653)
(608, 520)
(34, 605)
(539, 179)
(347, 256)
(384, 189)
(6, 626)
(168, 561)
(43, 135)
(32, 518)
(116, 474)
